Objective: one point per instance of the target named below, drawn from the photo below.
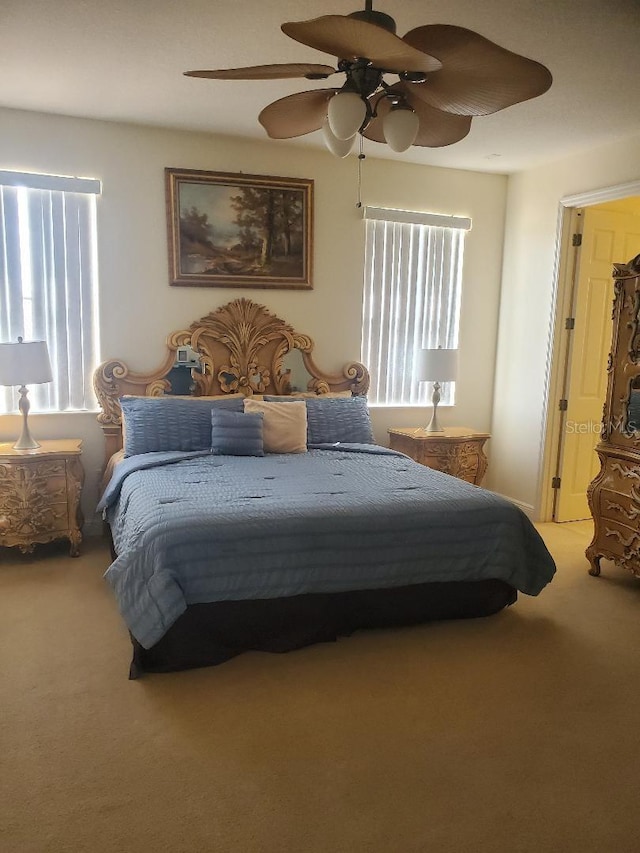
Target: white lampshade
(339, 147)
(24, 363)
(438, 365)
(346, 113)
(400, 127)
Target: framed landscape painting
(227, 230)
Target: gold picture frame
(237, 230)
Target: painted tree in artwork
(248, 239)
(254, 217)
(270, 217)
(290, 213)
(195, 229)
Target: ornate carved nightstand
(40, 495)
(456, 450)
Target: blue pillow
(341, 419)
(170, 423)
(236, 433)
(335, 419)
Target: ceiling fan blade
(478, 77)
(267, 72)
(350, 38)
(296, 114)
(437, 128)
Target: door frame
(559, 340)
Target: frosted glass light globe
(339, 147)
(400, 128)
(346, 113)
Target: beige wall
(527, 308)
(138, 308)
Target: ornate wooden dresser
(40, 495)
(614, 495)
(456, 450)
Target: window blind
(413, 275)
(415, 217)
(48, 284)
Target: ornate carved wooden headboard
(240, 347)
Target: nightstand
(456, 450)
(40, 495)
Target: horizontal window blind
(438, 220)
(48, 284)
(63, 183)
(413, 275)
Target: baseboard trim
(528, 509)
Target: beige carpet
(519, 732)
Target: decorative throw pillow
(170, 423)
(343, 420)
(336, 419)
(236, 433)
(285, 427)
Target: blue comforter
(192, 528)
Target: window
(412, 284)
(48, 282)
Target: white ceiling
(122, 60)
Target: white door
(610, 234)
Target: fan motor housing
(362, 77)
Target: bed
(253, 515)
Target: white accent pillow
(284, 427)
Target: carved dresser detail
(40, 495)
(456, 450)
(614, 495)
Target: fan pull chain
(361, 157)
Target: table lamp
(437, 365)
(25, 363)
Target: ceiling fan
(446, 75)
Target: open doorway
(594, 236)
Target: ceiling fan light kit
(338, 147)
(447, 75)
(400, 127)
(346, 114)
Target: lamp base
(26, 440)
(26, 443)
(433, 425)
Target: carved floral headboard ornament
(241, 349)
